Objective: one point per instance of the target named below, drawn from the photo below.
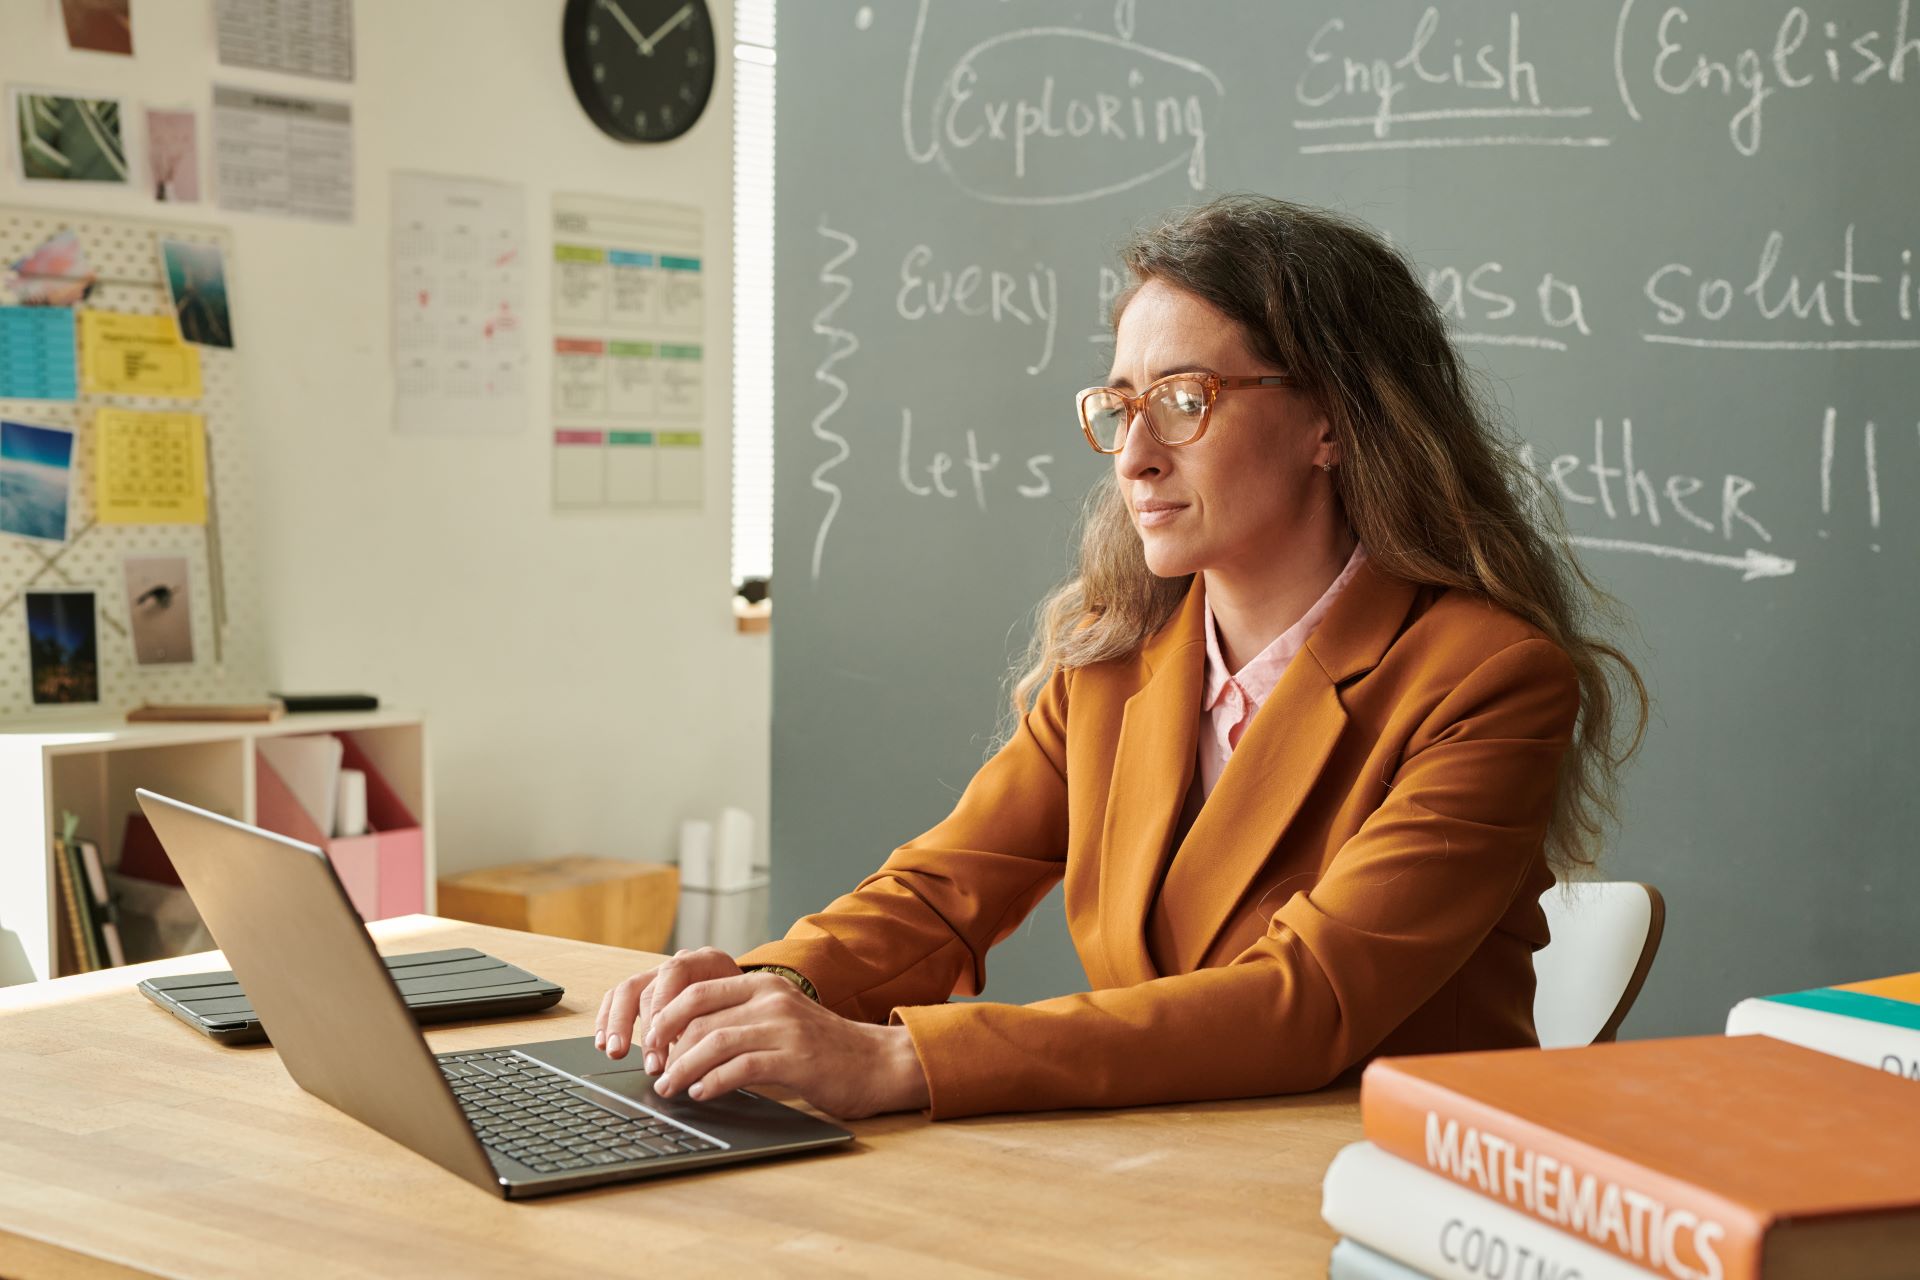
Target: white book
(1448, 1231)
(105, 911)
(1884, 1045)
(310, 766)
(96, 873)
(116, 950)
(1352, 1260)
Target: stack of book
(92, 916)
(1874, 1023)
(1693, 1158)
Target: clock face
(642, 69)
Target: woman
(1306, 736)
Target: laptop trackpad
(722, 1112)
(627, 1079)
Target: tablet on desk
(438, 986)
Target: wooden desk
(130, 1144)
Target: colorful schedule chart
(629, 369)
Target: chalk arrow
(1756, 564)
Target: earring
(1327, 467)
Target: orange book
(1902, 986)
(1696, 1158)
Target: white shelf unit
(91, 768)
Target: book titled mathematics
(1696, 1157)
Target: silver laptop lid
(292, 938)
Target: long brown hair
(1428, 480)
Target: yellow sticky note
(125, 355)
(149, 468)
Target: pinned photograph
(158, 607)
(36, 481)
(102, 26)
(197, 285)
(173, 157)
(55, 273)
(69, 139)
(61, 646)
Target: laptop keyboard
(550, 1122)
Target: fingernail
(599, 1039)
(653, 1063)
(613, 1045)
(647, 1039)
(694, 1090)
(664, 1085)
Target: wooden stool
(623, 904)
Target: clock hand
(686, 11)
(640, 42)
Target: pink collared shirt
(1228, 702)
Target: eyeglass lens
(1175, 408)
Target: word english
(1500, 72)
(1837, 52)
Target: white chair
(1589, 974)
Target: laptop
(518, 1120)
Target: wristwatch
(794, 976)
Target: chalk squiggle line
(840, 344)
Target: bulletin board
(124, 253)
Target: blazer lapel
(1279, 758)
(1153, 766)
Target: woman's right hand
(638, 998)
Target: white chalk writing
(1007, 136)
(1682, 60)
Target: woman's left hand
(759, 1029)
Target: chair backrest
(1587, 977)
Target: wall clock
(642, 69)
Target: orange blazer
(1363, 879)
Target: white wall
(585, 685)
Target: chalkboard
(1678, 238)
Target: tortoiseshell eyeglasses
(1176, 407)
